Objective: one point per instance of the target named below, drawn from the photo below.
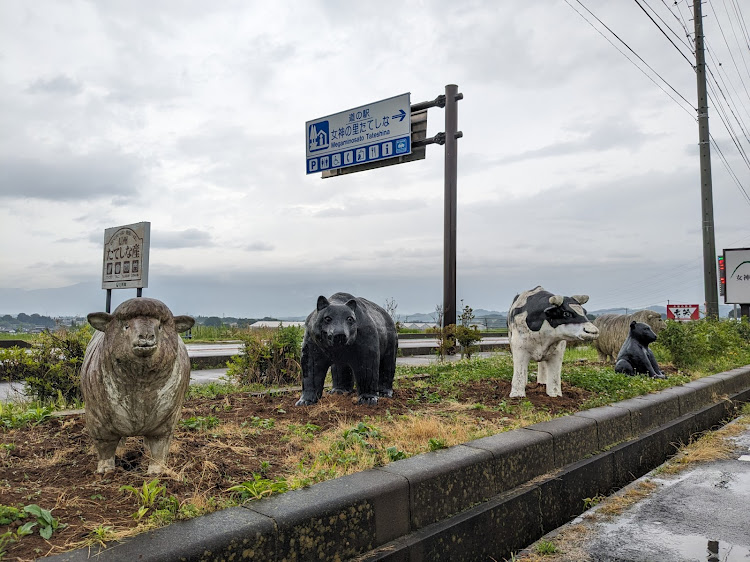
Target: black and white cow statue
(539, 325)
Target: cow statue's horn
(556, 300)
(582, 299)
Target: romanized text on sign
(376, 131)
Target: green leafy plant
(147, 496)
(259, 487)
(395, 454)
(9, 537)
(47, 523)
(306, 431)
(13, 416)
(101, 535)
(436, 443)
(545, 547)
(263, 423)
(588, 503)
(362, 430)
(9, 514)
(199, 423)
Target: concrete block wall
(488, 497)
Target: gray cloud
(174, 239)
(606, 135)
(357, 207)
(60, 84)
(62, 177)
(259, 247)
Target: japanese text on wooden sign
(126, 250)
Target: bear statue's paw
(659, 376)
(305, 402)
(385, 393)
(368, 400)
(340, 391)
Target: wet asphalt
(701, 514)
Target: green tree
(467, 333)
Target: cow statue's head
(567, 317)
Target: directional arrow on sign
(400, 115)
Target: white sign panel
(368, 133)
(126, 251)
(737, 265)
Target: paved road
(701, 514)
(233, 348)
(14, 391)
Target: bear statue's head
(642, 333)
(336, 324)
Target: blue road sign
(371, 132)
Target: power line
(723, 75)
(737, 181)
(631, 60)
(663, 32)
(731, 25)
(730, 53)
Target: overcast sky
(575, 171)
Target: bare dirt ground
(53, 464)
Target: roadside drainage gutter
(486, 498)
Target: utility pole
(707, 202)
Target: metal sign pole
(108, 306)
(451, 180)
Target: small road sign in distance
(683, 312)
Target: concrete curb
(488, 497)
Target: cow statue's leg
(105, 451)
(158, 447)
(520, 373)
(550, 369)
(541, 372)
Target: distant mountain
(724, 310)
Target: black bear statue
(357, 339)
(635, 357)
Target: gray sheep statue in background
(357, 339)
(134, 378)
(614, 329)
(635, 357)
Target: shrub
(706, 342)
(269, 357)
(16, 364)
(51, 368)
(55, 372)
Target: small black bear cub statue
(635, 357)
(357, 339)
